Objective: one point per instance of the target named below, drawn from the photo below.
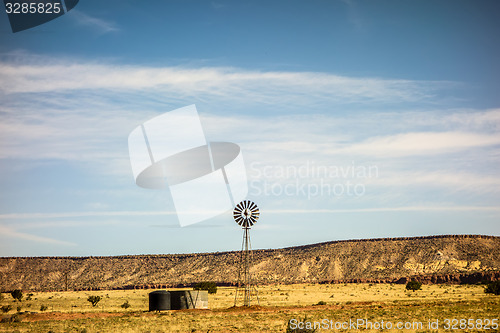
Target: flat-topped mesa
(433, 259)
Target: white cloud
(85, 111)
(11, 233)
(423, 143)
(103, 26)
(23, 216)
(455, 180)
(211, 82)
(56, 109)
(386, 209)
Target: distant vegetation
(493, 288)
(413, 285)
(94, 300)
(6, 308)
(210, 286)
(17, 294)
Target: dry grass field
(374, 303)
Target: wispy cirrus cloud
(422, 143)
(23, 216)
(72, 110)
(213, 82)
(386, 209)
(12, 233)
(83, 111)
(101, 25)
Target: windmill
(246, 214)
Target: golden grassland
(71, 312)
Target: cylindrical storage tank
(188, 299)
(159, 300)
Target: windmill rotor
(246, 213)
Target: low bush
(493, 288)
(15, 318)
(94, 300)
(211, 287)
(17, 294)
(6, 308)
(413, 285)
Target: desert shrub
(94, 300)
(321, 303)
(211, 287)
(289, 328)
(6, 308)
(28, 298)
(19, 308)
(43, 307)
(17, 294)
(125, 305)
(493, 288)
(15, 318)
(413, 285)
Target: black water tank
(179, 299)
(159, 300)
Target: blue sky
(397, 100)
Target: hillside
(463, 258)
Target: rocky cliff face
(434, 259)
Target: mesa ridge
(429, 259)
